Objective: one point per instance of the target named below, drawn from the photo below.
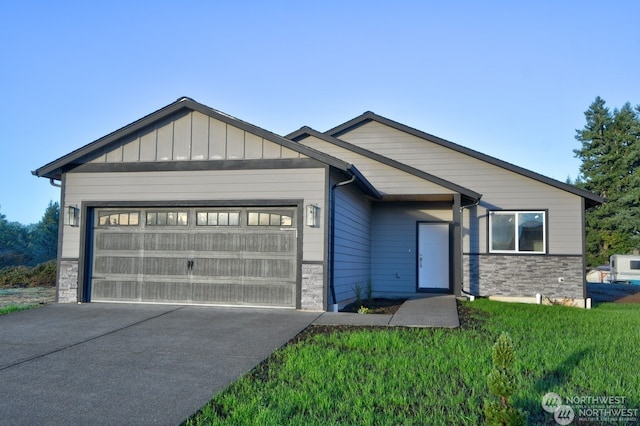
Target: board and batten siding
(193, 136)
(210, 185)
(352, 241)
(394, 243)
(500, 188)
(386, 179)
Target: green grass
(438, 376)
(15, 308)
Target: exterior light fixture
(72, 216)
(313, 215)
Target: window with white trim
(517, 232)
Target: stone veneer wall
(524, 276)
(68, 281)
(312, 298)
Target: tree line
(610, 155)
(29, 245)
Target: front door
(433, 256)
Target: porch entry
(433, 256)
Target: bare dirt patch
(27, 296)
(620, 293)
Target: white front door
(433, 256)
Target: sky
(510, 79)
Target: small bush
(357, 290)
(502, 383)
(369, 291)
(42, 275)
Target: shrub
(357, 289)
(369, 291)
(42, 275)
(502, 383)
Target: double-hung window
(517, 232)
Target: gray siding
(394, 243)
(501, 188)
(386, 179)
(193, 136)
(254, 185)
(352, 241)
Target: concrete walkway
(429, 311)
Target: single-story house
(189, 205)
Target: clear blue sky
(508, 78)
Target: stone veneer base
(554, 277)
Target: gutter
(332, 239)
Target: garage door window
(218, 218)
(268, 219)
(174, 218)
(119, 219)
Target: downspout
(332, 238)
(52, 183)
(468, 206)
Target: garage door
(238, 256)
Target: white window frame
(517, 214)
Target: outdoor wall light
(72, 216)
(313, 215)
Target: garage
(195, 255)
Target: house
(191, 205)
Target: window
(218, 218)
(634, 264)
(517, 232)
(268, 219)
(175, 218)
(119, 219)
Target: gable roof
(305, 131)
(54, 169)
(590, 198)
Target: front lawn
(14, 308)
(332, 375)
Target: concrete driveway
(114, 364)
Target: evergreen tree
(502, 381)
(610, 155)
(44, 235)
(14, 246)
